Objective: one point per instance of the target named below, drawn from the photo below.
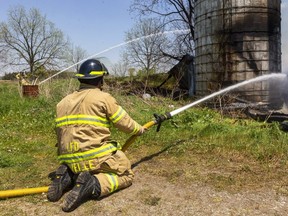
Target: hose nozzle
(160, 118)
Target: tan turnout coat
(83, 124)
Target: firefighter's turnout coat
(83, 133)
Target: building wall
(237, 40)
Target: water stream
(175, 112)
(246, 82)
(116, 46)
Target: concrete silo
(237, 40)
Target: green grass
(199, 144)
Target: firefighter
(92, 165)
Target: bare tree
(120, 69)
(75, 54)
(175, 15)
(147, 39)
(30, 41)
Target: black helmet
(91, 69)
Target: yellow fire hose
(133, 138)
(22, 192)
(29, 191)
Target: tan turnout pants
(115, 173)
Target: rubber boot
(61, 182)
(86, 186)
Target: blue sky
(94, 25)
(97, 25)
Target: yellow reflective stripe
(87, 155)
(113, 179)
(92, 73)
(98, 72)
(118, 115)
(136, 128)
(82, 119)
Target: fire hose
(157, 121)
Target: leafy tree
(30, 41)
(131, 72)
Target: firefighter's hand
(142, 130)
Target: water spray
(246, 82)
(160, 118)
(113, 47)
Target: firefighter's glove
(142, 130)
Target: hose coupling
(160, 118)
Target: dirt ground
(154, 195)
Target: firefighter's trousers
(115, 173)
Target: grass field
(198, 145)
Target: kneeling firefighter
(92, 165)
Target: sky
(94, 25)
(99, 25)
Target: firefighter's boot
(61, 182)
(86, 186)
